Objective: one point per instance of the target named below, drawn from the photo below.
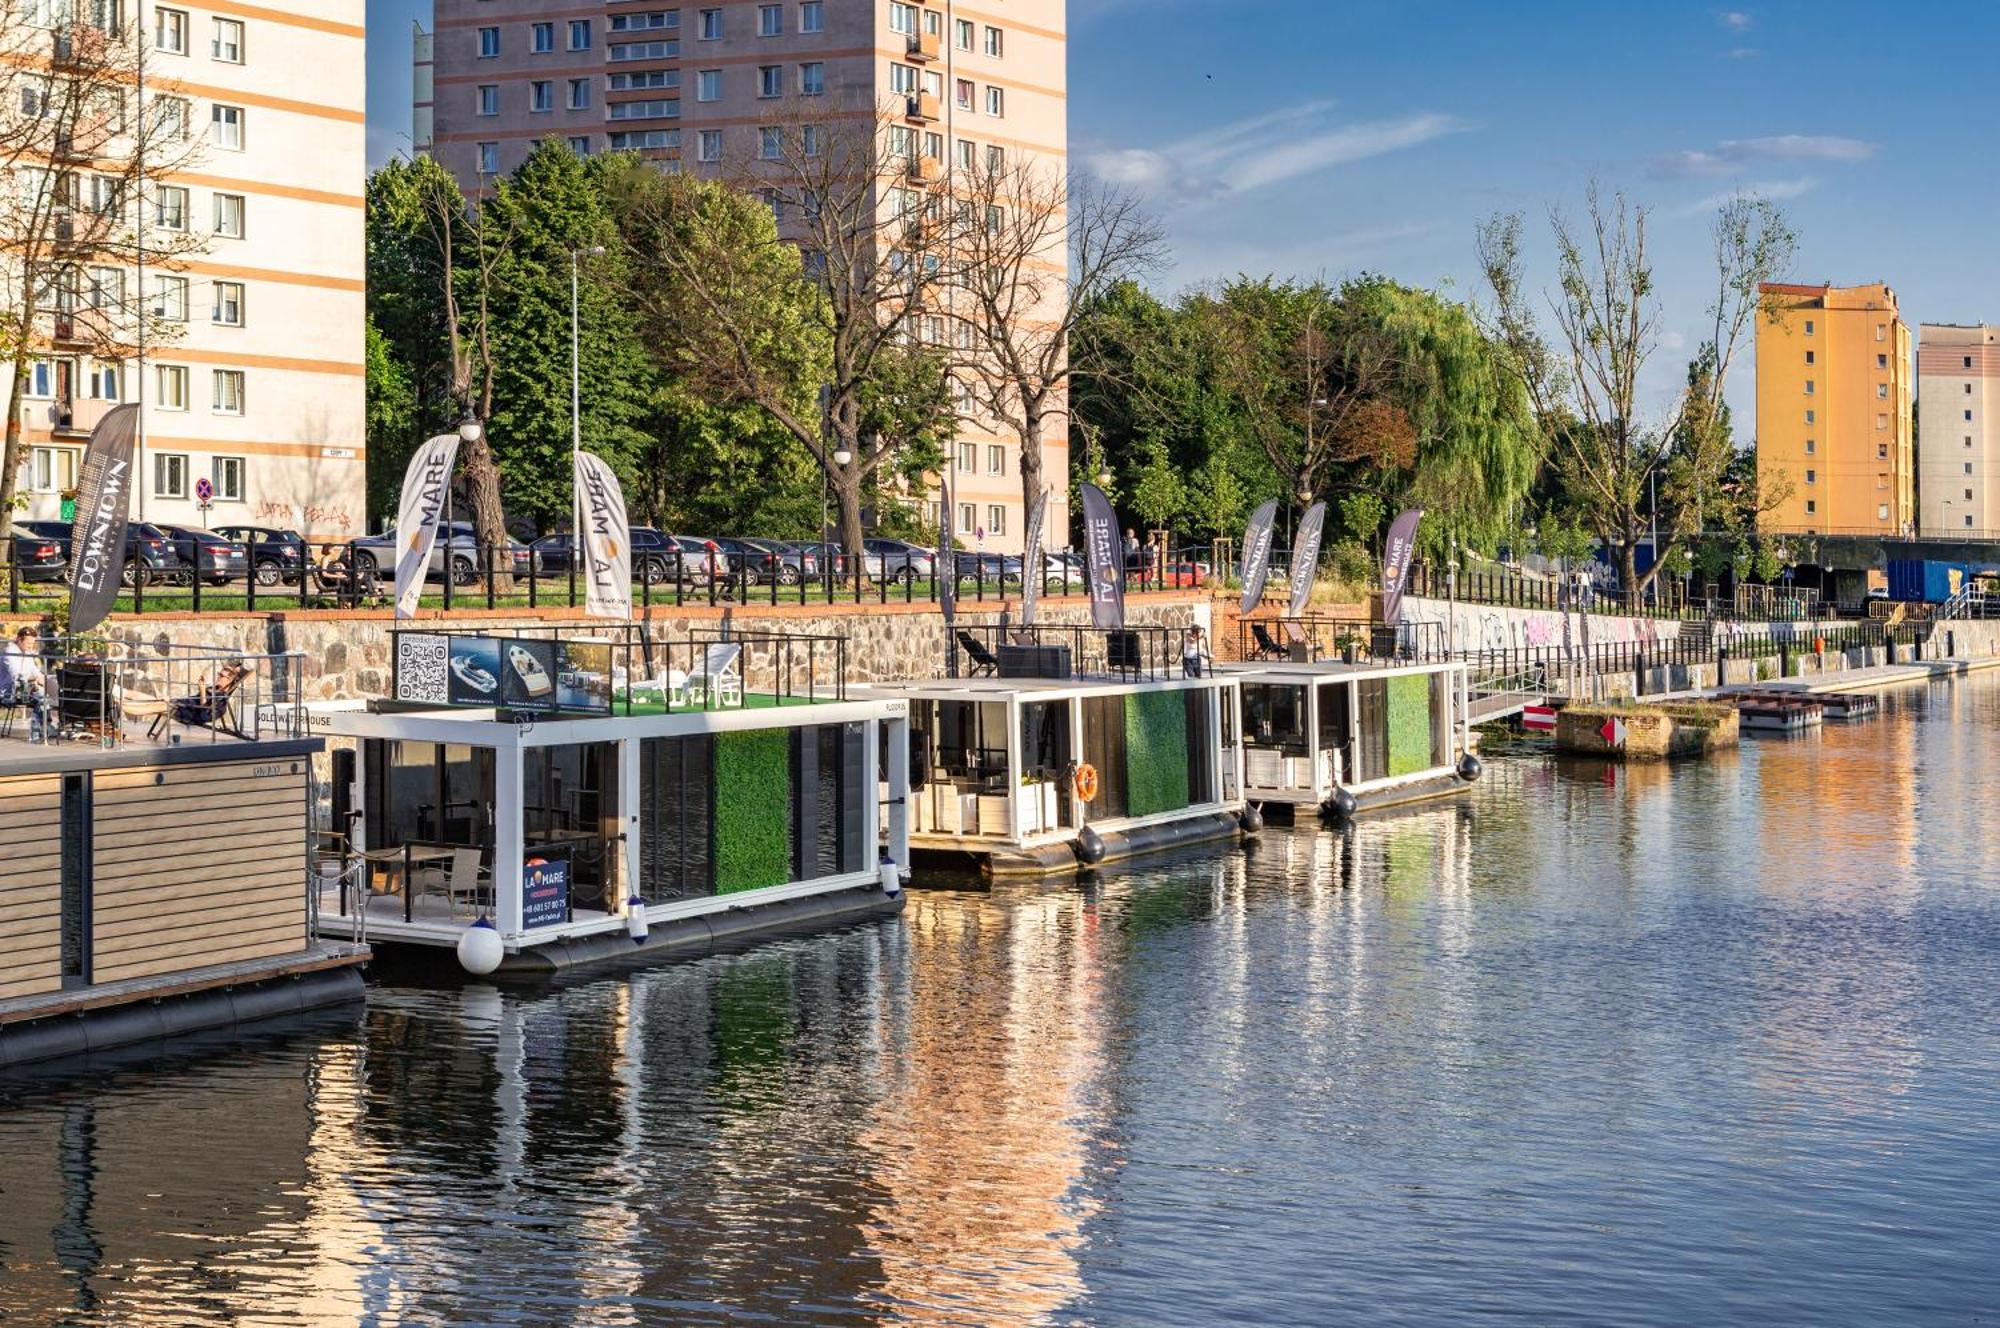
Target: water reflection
(1638, 1045)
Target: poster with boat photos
(520, 674)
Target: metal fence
(111, 694)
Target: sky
(1328, 137)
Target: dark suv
(210, 555)
(656, 558)
(149, 555)
(277, 555)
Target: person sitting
(1195, 657)
(23, 681)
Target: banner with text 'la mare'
(103, 511)
(418, 516)
(1104, 564)
(1396, 553)
(605, 537)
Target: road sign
(1613, 732)
(204, 490)
(1540, 719)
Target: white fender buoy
(479, 948)
(892, 879)
(635, 919)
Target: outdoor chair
(984, 664)
(1266, 647)
(458, 883)
(213, 707)
(719, 680)
(1121, 651)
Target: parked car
(656, 558)
(209, 554)
(741, 559)
(902, 560)
(149, 556)
(1064, 568)
(375, 555)
(829, 560)
(793, 564)
(38, 558)
(997, 568)
(275, 555)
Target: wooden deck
(314, 958)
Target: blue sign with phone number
(544, 892)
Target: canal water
(1716, 1044)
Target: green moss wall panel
(1409, 723)
(1156, 778)
(753, 810)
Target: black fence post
(493, 556)
(14, 575)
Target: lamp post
(470, 430)
(575, 394)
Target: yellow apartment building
(1834, 393)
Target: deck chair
(458, 884)
(1266, 647)
(984, 664)
(213, 707)
(1121, 652)
(719, 679)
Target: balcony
(925, 170)
(923, 108)
(923, 46)
(74, 418)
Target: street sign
(1613, 732)
(1541, 719)
(204, 490)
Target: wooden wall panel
(197, 865)
(30, 885)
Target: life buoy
(1086, 782)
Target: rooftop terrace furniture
(1122, 654)
(984, 664)
(719, 679)
(1266, 647)
(213, 707)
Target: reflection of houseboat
(156, 852)
(626, 797)
(1352, 737)
(1068, 744)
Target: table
(410, 857)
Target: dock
(1872, 678)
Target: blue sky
(1331, 136)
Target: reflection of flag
(418, 515)
(604, 539)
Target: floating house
(1349, 738)
(555, 797)
(155, 829)
(1061, 745)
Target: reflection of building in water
(979, 1144)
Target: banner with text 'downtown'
(1305, 557)
(418, 516)
(103, 511)
(1257, 553)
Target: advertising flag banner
(945, 574)
(1305, 558)
(1031, 562)
(103, 511)
(418, 517)
(1257, 553)
(1103, 563)
(604, 539)
(1400, 547)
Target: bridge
(1858, 550)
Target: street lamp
(469, 427)
(576, 386)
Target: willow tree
(1624, 470)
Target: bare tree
(1030, 251)
(836, 287)
(1621, 472)
(87, 202)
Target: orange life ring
(1086, 782)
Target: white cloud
(1736, 20)
(1776, 191)
(1741, 53)
(1252, 153)
(1736, 154)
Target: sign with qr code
(423, 663)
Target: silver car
(376, 554)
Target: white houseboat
(155, 829)
(1065, 745)
(556, 797)
(1352, 737)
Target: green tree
(392, 419)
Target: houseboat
(1063, 745)
(1347, 738)
(555, 797)
(155, 821)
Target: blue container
(1926, 580)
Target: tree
(406, 307)
(84, 169)
(1585, 385)
(1024, 290)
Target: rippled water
(1715, 1044)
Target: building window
(1881, 511)
(54, 469)
(170, 208)
(1968, 518)
(902, 80)
(229, 303)
(1968, 415)
(228, 479)
(996, 101)
(579, 34)
(1968, 389)
(812, 16)
(1882, 391)
(711, 25)
(903, 18)
(105, 381)
(708, 85)
(996, 159)
(1968, 440)
(229, 216)
(968, 458)
(1810, 387)
(170, 31)
(1811, 507)
(580, 145)
(170, 299)
(1812, 417)
(489, 43)
(770, 80)
(809, 140)
(962, 34)
(968, 518)
(226, 127)
(544, 38)
(170, 390)
(1809, 357)
(170, 475)
(541, 95)
(709, 146)
(579, 94)
(770, 143)
(996, 519)
(1812, 477)
(228, 398)
(489, 158)
(1968, 467)
(996, 459)
(228, 44)
(489, 99)
(812, 78)
(1810, 447)
(770, 20)
(994, 45)
(1881, 361)
(1968, 495)
(1881, 451)
(962, 93)
(1809, 327)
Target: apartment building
(252, 376)
(1834, 410)
(694, 86)
(1958, 428)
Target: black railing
(1314, 638)
(1059, 651)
